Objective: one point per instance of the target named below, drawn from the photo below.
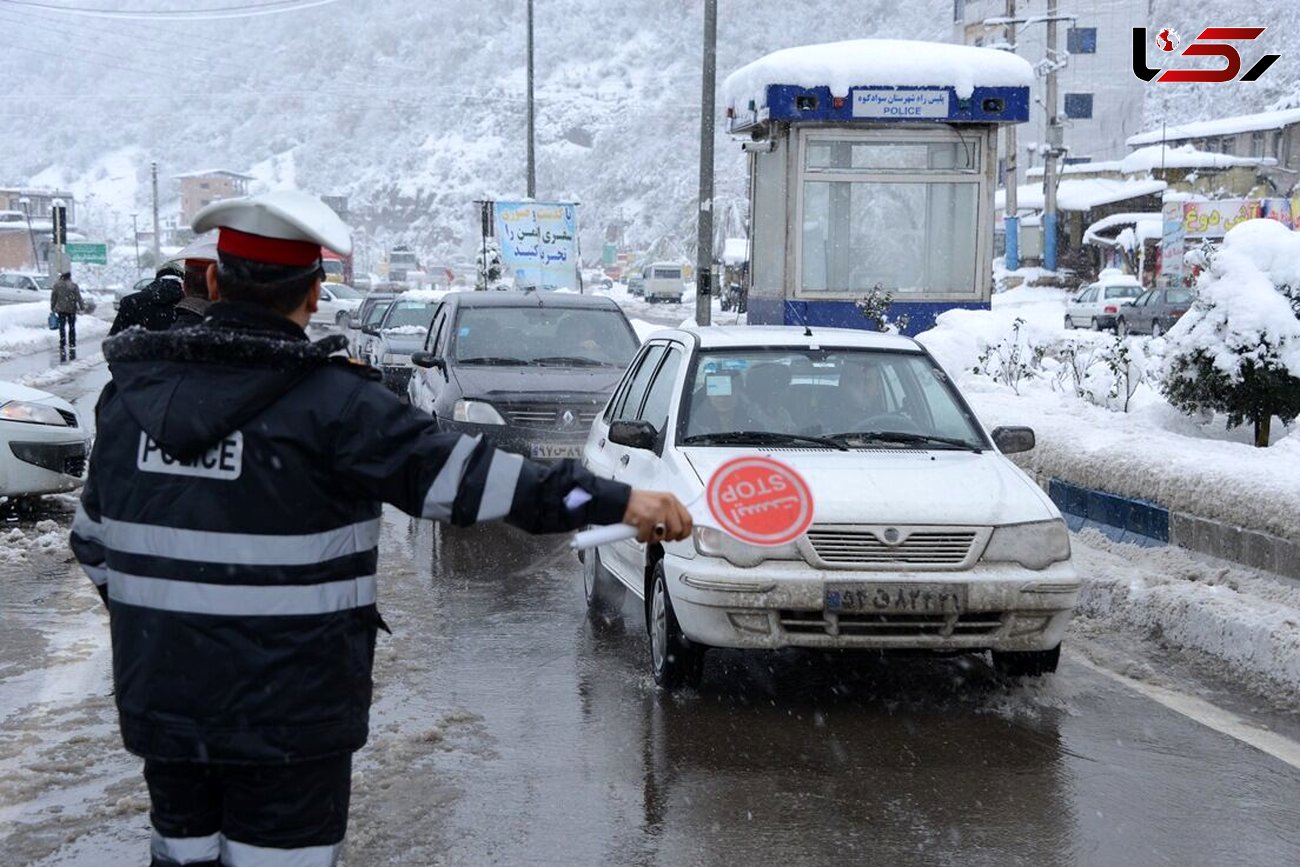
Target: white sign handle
(584, 539)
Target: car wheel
(1026, 663)
(1095, 324)
(1156, 330)
(675, 660)
(1121, 327)
(603, 591)
(341, 318)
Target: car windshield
(343, 290)
(853, 397)
(409, 316)
(1123, 291)
(558, 336)
(1179, 296)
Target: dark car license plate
(887, 598)
(554, 451)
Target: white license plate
(555, 451)
(894, 598)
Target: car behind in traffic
(1155, 311)
(43, 446)
(1097, 306)
(337, 302)
(402, 331)
(924, 536)
(530, 370)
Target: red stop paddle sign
(760, 501)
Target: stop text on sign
(760, 500)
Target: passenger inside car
(721, 406)
(861, 397)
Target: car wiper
(492, 359)
(898, 436)
(760, 437)
(569, 360)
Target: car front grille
(891, 625)
(75, 466)
(551, 417)
(868, 548)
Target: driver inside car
(861, 396)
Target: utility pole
(1054, 141)
(26, 204)
(157, 253)
(1011, 212)
(532, 157)
(135, 231)
(704, 238)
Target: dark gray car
(1154, 311)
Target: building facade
(202, 188)
(1101, 101)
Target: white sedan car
(43, 446)
(337, 302)
(923, 535)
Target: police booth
(872, 169)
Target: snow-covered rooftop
(879, 62)
(1081, 195)
(204, 173)
(1165, 156)
(1138, 226)
(1078, 168)
(1221, 126)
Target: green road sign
(88, 254)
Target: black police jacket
(231, 518)
(153, 307)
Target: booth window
(1081, 40)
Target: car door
(1086, 310)
(428, 383)
(1137, 316)
(8, 287)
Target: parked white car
(43, 445)
(338, 301)
(923, 536)
(1097, 306)
(17, 287)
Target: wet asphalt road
(555, 747)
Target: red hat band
(272, 251)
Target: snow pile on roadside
(1153, 451)
(62, 373)
(1249, 621)
(24, 328)
(46, 537)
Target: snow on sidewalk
(24, 328)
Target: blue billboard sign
(539, 243)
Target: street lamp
(135, 231)
(26, 204)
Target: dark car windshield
(559, 336)
(410, 316)
(854, 397)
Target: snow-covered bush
(491, 270)
(1237, 350)
(875, 308)
(1012, 359)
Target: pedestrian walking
(154, 306)
(230, 520)
(65, 303)
(197, 256)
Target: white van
(664, 282)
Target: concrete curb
(1146, 523)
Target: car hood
(13, 391)
(881, 486)
(535, 383)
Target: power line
(274, 7)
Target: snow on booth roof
(877, 62)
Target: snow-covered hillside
(412, 108)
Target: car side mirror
(370, 329)
(636, 434)
(1011, 440)
(428, 360)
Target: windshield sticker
(717, 385)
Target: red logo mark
(760, 501)
(1167, 40)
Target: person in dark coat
(154, 306)
(65, 302)
(230, 520)
(198, 256)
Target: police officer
(230, 520)
(198, 255)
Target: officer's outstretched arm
(395, 453)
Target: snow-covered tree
(1237, 350)
(491, 270)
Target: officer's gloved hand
(657, 516)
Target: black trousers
(227, 815)
(67, 330)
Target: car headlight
(711, 542)
(476, 412)
(1036, 545)
(33, 413)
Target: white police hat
(201, 249)
(280, 228)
